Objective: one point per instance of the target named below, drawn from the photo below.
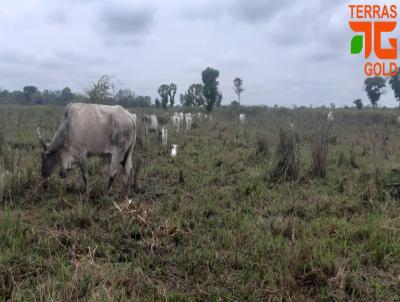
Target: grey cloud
(257, 10)
(57, 16)
(16, 57)
(126, 20)
(62, 59)
(253, 11)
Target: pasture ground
(207, 226)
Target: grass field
(208, 225)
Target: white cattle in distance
(188, 120)
(242, 118)
(181, 117)
(174, 150)
(151, 125)
(330, 117)
(164, 136)
(176, 121)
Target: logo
(372, 23)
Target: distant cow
(91, 130)
(330, 116)
(188, 120)
(176, 120)
(151, 125)
(242, 118)
(164, 136)
(174, 150)
(181, 118)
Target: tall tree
(67, 95)
(163, 91)
(219, 99)
(194, 96)
(101, 91)
(373, 87)
(359, 104)
(29, 91)
(394, 82)
(210, 88)
(157, 103)
(238, 87)
(172, 93)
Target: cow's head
(50, 159)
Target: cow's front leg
(114, 165)
(85, 175)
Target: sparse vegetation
(207, 227)
(286, 164)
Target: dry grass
(205, 226)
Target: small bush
(286, 162)
(261, 145)
(392, 183)
(319, 148)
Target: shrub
(319, 148)
(286, 161)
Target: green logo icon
(356, 44)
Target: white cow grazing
(151, 125)
(188, 120)
(200, 116)
(176, 121)
(164, 136)
(174, 151)
(291, 125)
(181, 117)
(330, 116)
(242, 118)
(91, 129)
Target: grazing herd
(107, 131)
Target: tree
(163, 91)
(157, 103)
(194, 96)
(373, 88)
(101, 91)
(28, 92)
(219, 100)
(359, 104)
(37, 98)
(171, 94)
(210, 88)
(67, 95)
(394, 82)
(238, 87)
(125, 98)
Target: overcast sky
(287, 52)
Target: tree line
(374, 88)
(103, 91)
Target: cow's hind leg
(129, 175)
(85, 175)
